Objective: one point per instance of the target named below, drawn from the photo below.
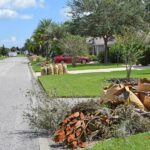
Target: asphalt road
(15, 81)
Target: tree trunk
(105, 50)
(129, 69)
(74, 64)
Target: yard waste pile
(124, 109)
(54, 69)
(34, 58)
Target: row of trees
(4, 50)
(50, 39)
(93, 18)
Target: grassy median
(83, 85)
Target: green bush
(145, 60)
(93, 57)
(100, 57)
(3, 51)
(115, 55)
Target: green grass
(2, 57)
(37, 68)
(134, 142)
(83, 85)
(93, 66)
(21, 55)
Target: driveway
(15, 81)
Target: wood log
(134, 99)
(146, 102)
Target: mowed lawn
(94, 66)
(2, 57)
(83, 85)
(134, 142)
(37, 68)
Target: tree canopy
(104, 18)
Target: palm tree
(29, 45)
(46, 32)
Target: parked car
(68, 59)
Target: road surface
(15, 81)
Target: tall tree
(132, 45)
(104, 18)
(75, 46)
(30, 46)
(46, 35)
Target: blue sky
(19, 18)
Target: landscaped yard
(83, 85)
(37, 68)
(135, 142)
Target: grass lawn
(93, 66)
(83, 85)
(21, 55)
(3, 57)
(37, 68)
(134, 142)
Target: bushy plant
(3, 51)
(145, 60)
(131, 44)
(115, 54)
(93, 57)
(100, 57)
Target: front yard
(37, 68)
(83, 85)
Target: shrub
(93, 57)
(100, 57)
(46, 114)
(145, 60)
(115, 54)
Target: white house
(98, 44)
(12, 54)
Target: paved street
(15, 81)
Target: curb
(43, 142)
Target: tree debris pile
(135, 93)
(113, 116)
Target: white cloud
(8, 13)
(41, 3)
(65, 13)
(26, 17)
(11, 14)
(11, 40)
(17, 3)
(23, 3)
(10, 8)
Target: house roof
(99, 41)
